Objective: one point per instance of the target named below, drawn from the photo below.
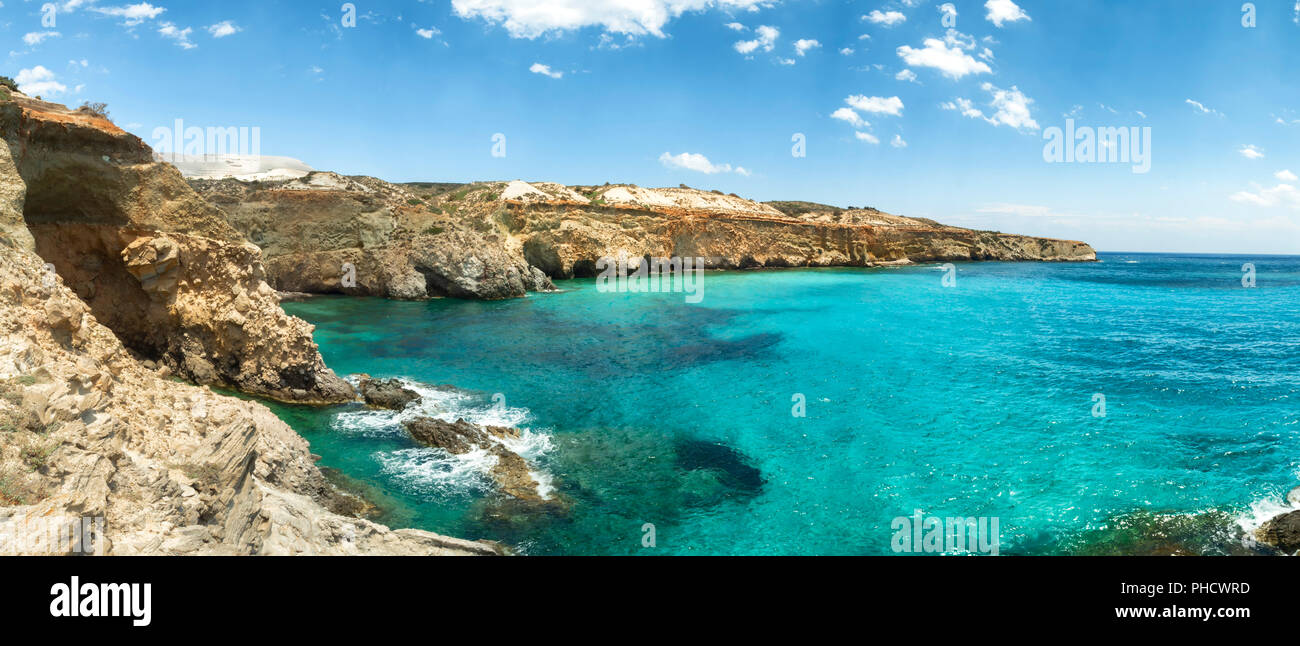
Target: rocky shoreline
(495, 240)
(110, 261)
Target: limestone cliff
(156, 263)
(497, 240)
(87, 431)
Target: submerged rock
(733, 468)
(511, 472)
(1282, 532)
(386, 393)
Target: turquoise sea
(976, 400)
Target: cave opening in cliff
(88, 256)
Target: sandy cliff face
(156, 263)
(86, 431)
(496, 240)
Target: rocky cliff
(113, 274)
(503, 239)
(394, 243)
(156, 263)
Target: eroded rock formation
(156, 263)
(386, 393)
(496, 240)
(87, 430)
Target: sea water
(1142, 404)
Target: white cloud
(846, 51)
(533, 18)
(1202, 109)
(545, 70)
(891, 106)
(850, 117)
(1286, 176)
(1011, 108)
(886, 18)
(949, 12)
(699, 163)
(1020, 210)
(876, 104)
(802, 45)
(1003, 11)
(898, 142)
(181, 36)
(766, 40)
(954, 38)
(735, 26)
(132, 14)
(952, 62)
(39, 81)
(1250, 151)
(223, 29)
(1280, 195)
(906, 75)
(37, 37)
(428, 34)
(1296, 18)
(70, 6)
(964, 106)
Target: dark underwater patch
(733, 467)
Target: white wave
(545, 485)
(434, 472)
(1260, 512)
(428, 471)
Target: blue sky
(590, 91)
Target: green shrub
(10, 490)
(37, 456)
(8, 83)
(433, 230)
(415, 201)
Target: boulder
(511, 472)
(1282, 532)
(387, 393)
